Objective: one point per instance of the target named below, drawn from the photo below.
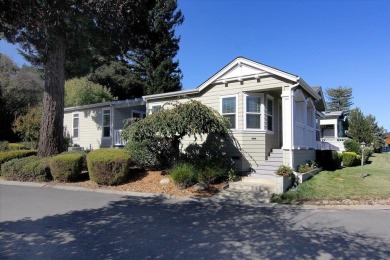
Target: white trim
(272, 115)
(106, 109)
(78, 128)
(220, 108)
(261, 95)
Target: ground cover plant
(108, 166)
(344, 184)
(29, 168)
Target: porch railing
(118, 141)
(331, 143)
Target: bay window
(229, 110)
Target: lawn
(345, 184)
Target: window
(106, 123)
(138, 114)
(75, 125)
(270, 112)
(253, 112)
(156, 108)
(229, 109)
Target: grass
(344, 184)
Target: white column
(287, 118)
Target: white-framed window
(76, 125)
(155, 108)
(106, 126)
(254, 111)
(270, 113)
(229, 109)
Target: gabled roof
(320, 105)
(239, 69)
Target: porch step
(255, 182)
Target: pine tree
(339, 99)
(153, 62)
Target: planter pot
(307, 175)
(282, 184)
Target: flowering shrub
(310, 165)
(284, 170)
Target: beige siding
(90, 130)
(251, 147)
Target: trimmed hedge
(9, 155)
(67, 166)
(350, 159)
(26, 169)
(328, 160)
(108, 166)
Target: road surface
(47, 223)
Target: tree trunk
(51, 132)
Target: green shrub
(26, 169)
(310, 165)
(3, 146)
(350, 159)
(154, 153)
(212, 170)
(9, 155)
(17, 146)
(352, 146)
(328, 160)
(67, 166)
(184, 174)
(284, 170)
(108, 166)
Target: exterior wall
(251, 147)
(302, 156)
(90, 130)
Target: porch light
(362, 145)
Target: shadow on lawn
(155, 227)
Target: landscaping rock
(165, 181)
(201, 187)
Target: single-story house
(100, 125)
(274, 115)
(333, 130)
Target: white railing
(332, 143)
(118, 141)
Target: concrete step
(277, 151)
(265, 167)
(271, 163)
(275, 159)
(254, 187)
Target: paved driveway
(46, 223)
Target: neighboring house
(273, 114)
(333, 129)
(100, 125)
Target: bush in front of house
(310, 165)
(351, 145)
(212, 170)
(328, 160)
(350, 159)
(108, 166)
(26, 169)
(9, 155)
(153, 153)
(67, 166)
(285, 171)
(184, 174)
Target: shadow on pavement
(156, 227)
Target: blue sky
(327, 43)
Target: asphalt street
(48, 223)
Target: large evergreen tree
(339, 99)
(49, 30)
(153, 62)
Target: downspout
(292, 122)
